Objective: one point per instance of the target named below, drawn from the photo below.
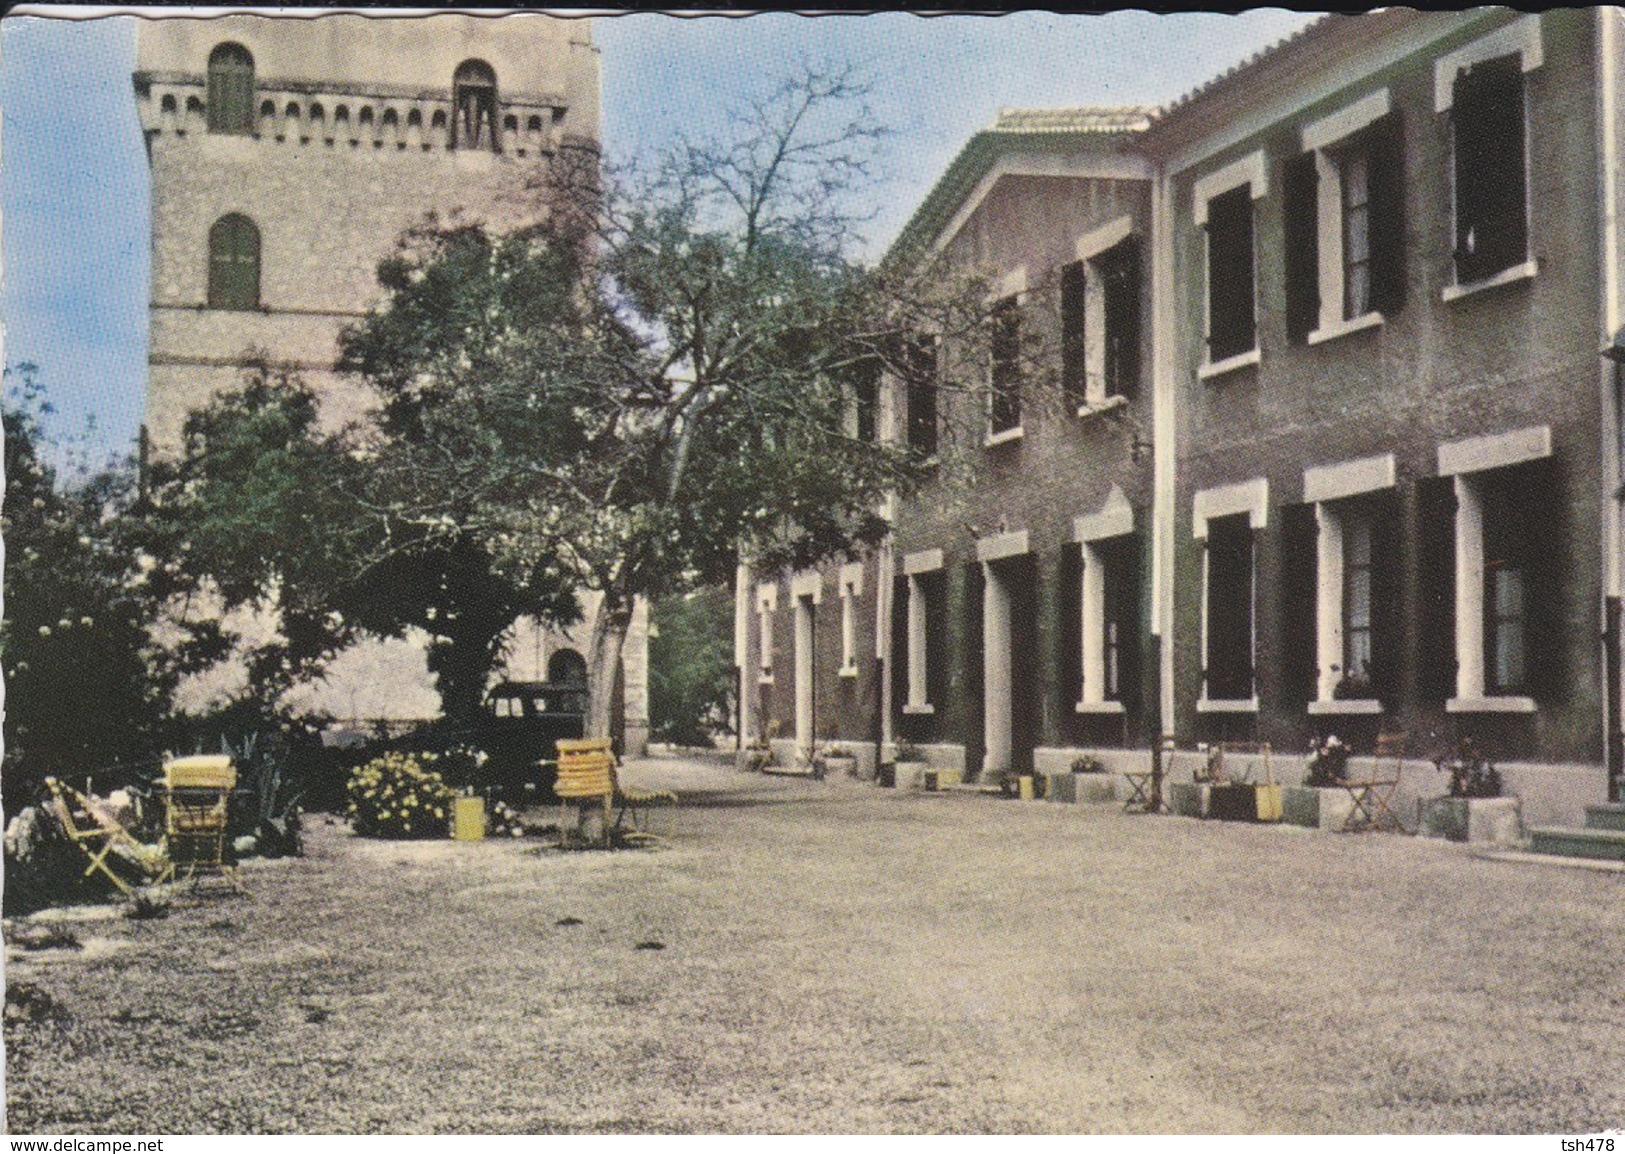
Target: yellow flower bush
(398, 795)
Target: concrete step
(1608, 844)
(1611, 816)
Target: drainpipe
(1610, 31)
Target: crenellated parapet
(349, 116)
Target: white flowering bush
(398, 795)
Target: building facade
(288, 156)
(1361, 472)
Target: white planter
(1489, 820)
(1317, 807)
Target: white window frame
(767, 600)
(916, 566)
(1115, 520)
(851, 587)
(1326, 486)
(1250, 497)
(1466, 460)
(1087, 251)
(1325, 138)
(1252, 171)
(1522, 38)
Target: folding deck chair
(103, 839)
(1373, 795)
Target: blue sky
(73, 175)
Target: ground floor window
(1228, 619)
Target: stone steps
(1607, 844)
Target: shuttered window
(234, 263)
(1385, 151)
(1120, 282)
(1074, 334)
(1004, 409)
(1231, 327)
(231, 90)
(1492, 228)
(920, 388)
(1300, 204)
(866, 396)
(1230, 608)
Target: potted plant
(1328, 764)
(837, 758)
(1088, 781)
(906, 767)
(1473, 810)
(1240, 798)
(1354, 687)
(1322, 801)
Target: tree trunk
(609, 626)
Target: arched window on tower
(474, 107)
(231, 90)
(234, 263)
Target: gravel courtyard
(807, 956)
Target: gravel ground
(819, 957)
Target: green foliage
(397, 795)
(86, 689)
(634, 420)
(691, 672)
(329, 530)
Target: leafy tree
(691, 670)
(273, 513)
(660, 374)
(86, 688)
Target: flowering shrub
(397, 796)
(1328, 763)
(504, 821)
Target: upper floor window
(1004, 400)
(920, 394)
(1100, 322)
(231, 90)
(474, 107)
(866, 398)
(234, 263)
(1231, 323)
(1345, 222)
(1492, 211)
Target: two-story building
(1318, 438)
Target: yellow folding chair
(103, 839)
(197, 792)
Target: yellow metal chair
(587, 779)
(197, 792)
(103, 839)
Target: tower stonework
(288, 156)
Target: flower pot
(1188, 798)
(1495, 820)
(909, 774)
(467, 818)
(1236, 802)
(841, 765)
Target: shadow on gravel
(738, 800)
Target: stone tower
(288, 154)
